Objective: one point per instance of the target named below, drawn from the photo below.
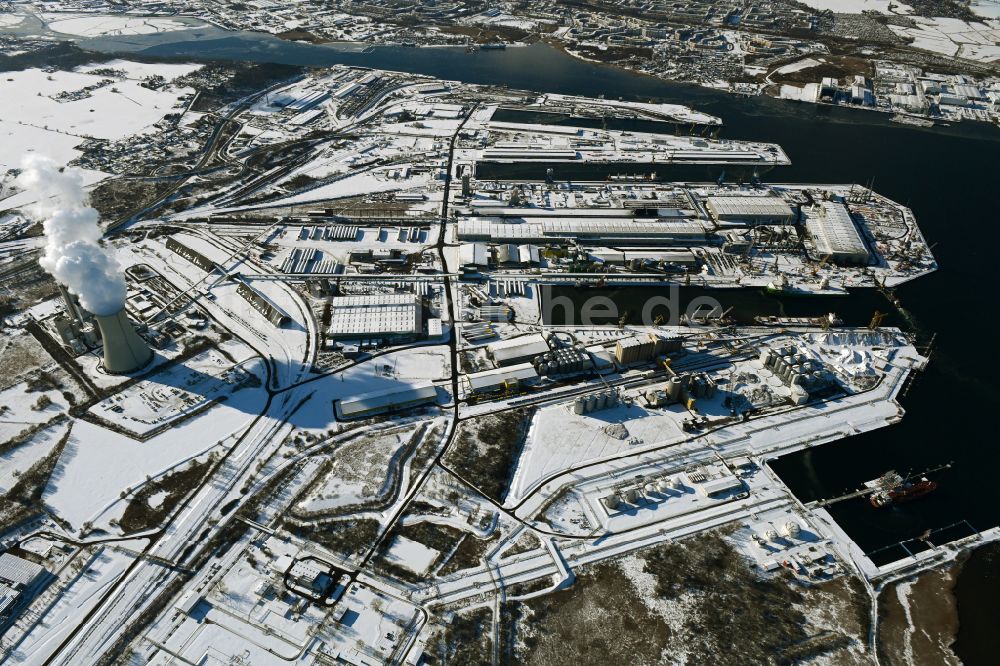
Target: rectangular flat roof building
(384, 316)
(388, 400)
(518, 350)
(750, 209)
(18, 572)
(491, 381)
(835, 234)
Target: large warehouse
(392, 317)
(835, 235)
(749, 210)
(581, 229)
(518, 350)
(389, 400)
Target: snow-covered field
(986, 8)
(98, 26)
(99, 463)
(954, 37)
(858, 6)
(10, 20)
(15, 462)
(798, 66)
(51, 113)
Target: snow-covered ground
(858, 6)
(86, 485)
(986, 8)
(798, 66)
(54, 112)
(99, 26)
(16, 461)
(954, 37)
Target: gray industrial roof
(749, 206)
(386, 399)
(833, 231)
(18, 571)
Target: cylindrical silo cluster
(595, 402)
(563, 360)
(794, 368)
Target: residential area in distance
(927, 61)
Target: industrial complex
(312, 404)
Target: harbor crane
(822, 262)
(876, 321)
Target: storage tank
(663, 485)
(611, 502)
(633, 496)
(675, 482)
(591, 403)
(124, 350)
(771, 535)
(650, 489)
(674, 387)
(578, 406)
(791, 529)
(612, 399)
(599, 401)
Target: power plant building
(749, 210)
(124, 350)
(835, 235)
(392, 317)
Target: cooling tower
(124, 350)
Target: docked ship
(893, 489)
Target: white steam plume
(73, 255)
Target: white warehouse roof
(18, 571)
(380, 314)
(386, 400)
(834, 233)
(491, 380)
(749, 207)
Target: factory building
(380, 402)
(501, 379)
(719, 487)
(644, 348)
(835, 235)
(263, 305)
(392, 317)
(517, 350)
(749, 210)
(474, 255)
(582, 229)
(20, 580)
(196, 258)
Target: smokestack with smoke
(73, 255)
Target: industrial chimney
(124, 350)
